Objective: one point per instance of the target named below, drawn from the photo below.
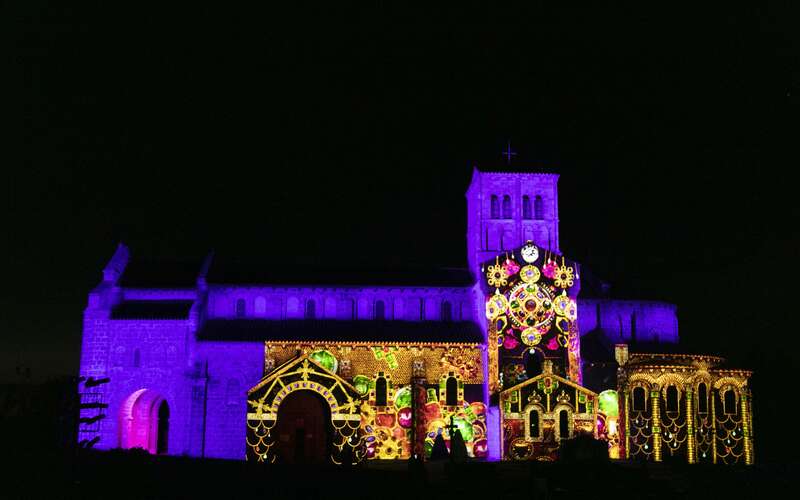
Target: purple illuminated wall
(204, 382)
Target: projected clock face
(530, 253)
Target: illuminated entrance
(303, 429)
(303, 413)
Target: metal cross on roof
(509, 153)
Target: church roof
(334, 331)
(241, 272)
(225, 270)
(152, 309)
(161, 274)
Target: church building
(512, 354)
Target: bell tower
(506, 209)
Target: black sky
(325, 135)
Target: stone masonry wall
(138, 354)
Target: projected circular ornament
(325, 359)
(529, 253)
(530, 305)
(495, 306)
(550, 269)
(496, 276)
(563, 277)
(511, 267)
(402, 398)
(564, 306)
(530, 274)
(509, 342)
(530, 336)
(362, 383)
(404, 418)
(464, 427)
(608, 401)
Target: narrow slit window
(380, 310)
(702, 399)
(526, 207)
(730, 402)
(563, 424)
(451, 392)
(506, 207)
(311, 309)
(639, 399)
(381, 391)
(672, 398)
(447, 311)
(495, 207)
(538, 208)
(533, 416)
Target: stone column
(655, 402)
(714, 426)
(690, 439)
(748, 439)
(626, 424)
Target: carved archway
(304, 374)
(144, 422)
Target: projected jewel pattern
(532, 312)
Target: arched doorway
(534, 360)
(144, 422)
(162, 432)
(303, 428)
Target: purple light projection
(173, 392)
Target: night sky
(324, 137)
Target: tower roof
(535, 168)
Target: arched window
(639, 399)
(672, 398)
(702, 398)
(526, 207)
(163, 428)
(260, 306)
(240, 308)
(447, 311)
(533, 362)
(380, 310)
(538, 208)
(451, 392)
(495, 207)
(137, 358)
(730, 402)
(381, 391)
(506, 207)
(533, 428)
(311, 309)
(563, 424)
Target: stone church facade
(365, 366)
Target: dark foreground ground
(124, 475)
